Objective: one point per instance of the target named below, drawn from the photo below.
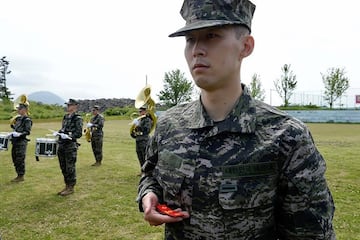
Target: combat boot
(59, 193)
(96, 164)
(19, 178)
(69, 190)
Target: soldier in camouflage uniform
(67, 150)
(22, 127)
(141, 133)
(96, 125)
(234, 167)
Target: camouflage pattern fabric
(23, 124)
(71, 125)
(142, 132)
(67, 155)
(18, 154)
(97, 146)
(209, 13)
(255, 175)
(67, 149)
(97, 135)
(140, 151)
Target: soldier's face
(214, 56)
(71, 107)
(21, 111)
(142, 112)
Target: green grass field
(103, 205)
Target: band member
(22, 127)
(96, 125)
(141, 133)
(67, 150)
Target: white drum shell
(46, 147)
(4, 142)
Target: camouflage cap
(21, 106)
(143, 107)
(72, 102)
(96, 107)
(209, 13)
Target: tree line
(178, 89)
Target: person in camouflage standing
(70, 131)
(96, 125)
(22, 127)
(141, 133)
(231, 166)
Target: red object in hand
(162, 208)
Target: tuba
(22, 99)
(87, 130)
(144, 98)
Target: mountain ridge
(46, 97)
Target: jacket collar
(242, 117)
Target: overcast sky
(88, 49)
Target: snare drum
(4, 141)
(46, 147)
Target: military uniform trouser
(18, 153)
(140, 150)
(67, 153)
(96, 145)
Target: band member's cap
(96, 107)
(200, 14)
(72, 102)
(21, 106)
(143, 107)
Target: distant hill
(46, 97)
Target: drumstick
(57, 133)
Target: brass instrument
(144, 98)
(87, 130)
(22, 99)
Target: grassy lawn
(340, 146)
(103, 205)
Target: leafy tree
(335, 84)
(286, 85)
(255, 88)
(4, 91)
(177, 89)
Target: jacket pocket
(169, 172)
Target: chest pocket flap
(171, 170)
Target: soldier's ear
(248, 44)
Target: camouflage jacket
(255, 175)
(72, 125)
(98, 121)
(23, 124)
(142, 131)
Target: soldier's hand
(154, 217)
(64, 136)
(136, 122)
(16, 134)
